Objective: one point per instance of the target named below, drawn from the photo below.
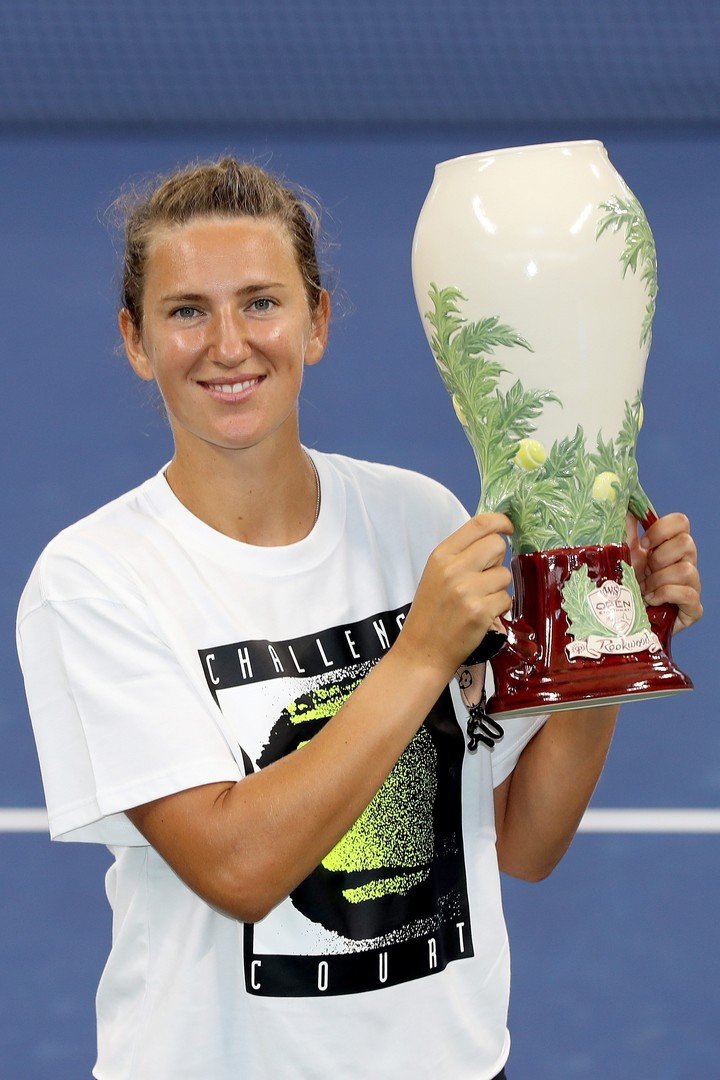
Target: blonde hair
(223, 188)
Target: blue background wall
(615, 956)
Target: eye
(262, 304)
(185, 311)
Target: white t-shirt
(159, 655)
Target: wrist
(421, 667)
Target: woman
(306, 875)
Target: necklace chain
(317, 489)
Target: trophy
(535, 275)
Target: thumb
(638, 554)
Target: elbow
(250, 912)
(527, 870)
(244, 895)
(242, 901)
(529, 861)
(529, 874)
(244, 908)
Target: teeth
(235, 388)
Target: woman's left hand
(665, 561)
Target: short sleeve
(117, 720)
(519, 730)
(454, 514)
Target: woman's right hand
(462, 590)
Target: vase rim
(532, 147)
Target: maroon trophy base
(541, 668)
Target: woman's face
(227, 330)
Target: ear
(320, 329)
(134, 347)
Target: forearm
(550, 788)
(245, 846)
(295, 811)
(539, 808)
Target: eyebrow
(261, 286)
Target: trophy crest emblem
(607, 619)
(614, 607)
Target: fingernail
(649, 597)
(645, 543)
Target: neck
(250, 495)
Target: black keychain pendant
(481, 728)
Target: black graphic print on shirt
(389, 903)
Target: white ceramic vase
(535, 273)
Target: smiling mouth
(232, 388)
(231, 391)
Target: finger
(475, 529)
(687, 616)
(686, 599)
(638, 555)
(449, 566)
(497, 604)
(488, 551)
(679, 549)
(470, 590)
(663, 529)
(682, 573)
(493, 580)
(683, 596)
(638, 560)
(632, 530)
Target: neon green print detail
(395, 831)
(392, 841)
(399, 884)
(321, 705)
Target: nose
(230, 338)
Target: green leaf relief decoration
(639, 250)
(582, 622)
(629, 579)
(569, 496)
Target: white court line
(34, 819)
(23, 819)
(651, 821)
